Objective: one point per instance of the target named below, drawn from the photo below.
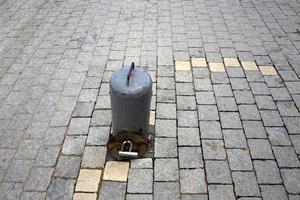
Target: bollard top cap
(138, 83)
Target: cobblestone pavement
(225, 109)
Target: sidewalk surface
(225, 107)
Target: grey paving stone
(39, 179)
(79, 126)
(188, 137)
(244, 97)
(280, 94)
(294, 197)
(139, 196)
(166, 170)
(18, 170)
(166, 111)
(239, 159)
(101, 118)
(213, 149)
(276, 192)
(194, 197)
(112, 190)
(260, 149)
(234, 138)
(103, 102)
(183, 76)
(88, 95)
(98, 135)
(208, 112)
(254, 129)
(165, 128)
(296, 142)
(259, 88)
(61, 189)
(138, 185)
(67, 167)
(186, 103)
(60, 118)
(187, 118)
(184, 89)
(223, 90)
(292, 124)
(265, 102)
(47, 156)
(10, 190)
(286, 157)
(217, 172)
(267, 172)
(28, 149)
(249, 112)
(219, 77)
(218, 192)
(54, 136)
(245, 184)
(200, 73)
(165, 83)
(293, 87)
(202, 84)
(226, 104)
(192, 181)
(230, 120)
(278, 136)
(210, 130)
(141, 163)
(93, 157)
(287, 108)
(73, 145)
(166, 190)
(33, 195)
(239, 84)
(6, 157)
(205, 98)
(166, 96)
(271, 118)
(190, 157)
(234, 72)
(290, 179)
(165, 147)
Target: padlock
(129, 153)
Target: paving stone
(290, 180)
(231, 62)
(192, 181)
(217, 172)
(165, 83)
(10, 190)
(236, 72)
(244, 97)
(254, 129)
(213, 149)
(141, 163)
(39, 179)
(187, 118)
(139, 197)
(138, 185)
(98, 136)
(103, 102)
(190, 157)
(210, 130)
(218, 192)
(112, 190)
(186, 103)
(88, 180)
(202, 84)
(93, 157)
(287, 108)
(230, 120)
(74, 145)
(200, 73)
(296, 142)
(293, 87)
(245, 184)
(47, 156)
(165, 128)
(85, 196)
(223, 90)
(166, 169)
(79, 126)
(166, 96)
(101, 118)
(276, 192)
(208, 112)
(54, 136)
(205, 98)
(165, 147)
(286, 157)
(33, 195)
(260, 149)
(267, 172)
(60, 118)
(271, 118)
(259, 88)
(199, 62)
(166, 111)
(61, 189)
(88, 95)
(280, 94)
(166, 190)
(194, 197)
(268, 70)
(234, 138)
(188, 137)
(116, 171)
(182, 65)
(249, 112)
(274, 81)
(28, 149)
(294, 197)
(265, 103)
(226, 104)
(239, 84)
(220, 78)
(278, 136)
(184, 89)
(67, 167)
(183, 77)
(19, 170)
(216, 67)
(239, 159)
(292, 124)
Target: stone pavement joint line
(225, 106)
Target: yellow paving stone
(199, 62)
(88, 180)
(268, 70)
(249, 66)
(231, 62)
(152, 118)
(216, 67)
(85, 196)
(116, 171)
(182, 65)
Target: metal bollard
(130, 96)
